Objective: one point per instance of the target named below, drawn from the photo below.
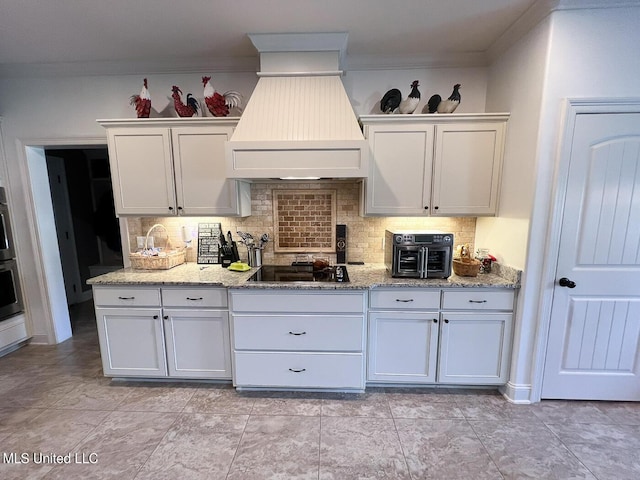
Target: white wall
(589, 54)
(42, 111)
(515, 85)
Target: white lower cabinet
(403, 346)
(474, 348)
(131, 342)
(298, 339)
(425, 336)
(197, 343)
(163, 332)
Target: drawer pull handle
(127, 298)
(297, 370)
(477, 301)
(297, 333)
(404, 301)
(194, 299)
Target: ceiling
(163, 36)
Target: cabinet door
(466, 173)
(142, 171)
(201, 184)
(403, 347)
(474, 348)
(399, 181)
(131, 342)
(198, 344)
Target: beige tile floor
(54, 401)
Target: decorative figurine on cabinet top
(392, 100)
(142, 102)
(188, 110)
(219, 104)
(436, 104)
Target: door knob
(565, 282)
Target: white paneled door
(594, 335)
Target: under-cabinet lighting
(299, 178)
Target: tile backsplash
(365, 235)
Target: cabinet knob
(446, 320)
(436, 207)
(435, 320)
(180, 208)
(171, 209)
(426, 207)
(166, 317)
(155, 317)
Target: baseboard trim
(40, 339)
(518, 394)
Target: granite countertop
(360, 276)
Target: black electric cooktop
(300, 273)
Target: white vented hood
(299, 121)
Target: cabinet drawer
(126, 297)
(194, 297)
(478, 300)
(303, 370)
(405, 299)
(296, 302)
(298, 332)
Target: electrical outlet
(140, 242)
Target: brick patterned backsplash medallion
(304, 220)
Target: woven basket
(173, 258)
(148, 262)
(466, 267)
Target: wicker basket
(466, 267)
(173, 258)
(149, 262)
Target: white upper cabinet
(444, 165)
(169, 167)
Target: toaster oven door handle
(422, 262)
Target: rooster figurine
(218, 104)
(142, 102)
(392, 100)
(188, 110)
(436, 104)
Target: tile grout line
(485, 448)
(569, 449)
(235, 454)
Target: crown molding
(539, 11)
(132, 67)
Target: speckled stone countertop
(360, 276)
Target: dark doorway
(87, 229)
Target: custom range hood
(299, 122)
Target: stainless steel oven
(6, 239)
(419, 254)
(10, 294)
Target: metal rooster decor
(392, 100)
(142, 102)
(436, 104)
(219, 104)
(188, 110)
